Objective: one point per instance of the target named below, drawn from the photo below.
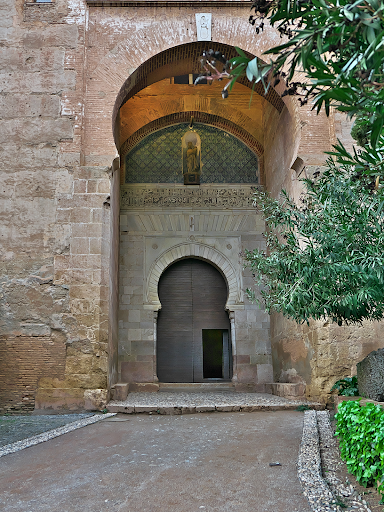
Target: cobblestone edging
(51, 434)
(309, 467)
(324, 494)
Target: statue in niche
(204, 30)
(191, 154)
(191, 157)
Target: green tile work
(157, 158)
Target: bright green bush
(360, 430)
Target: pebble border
(315, 488)
(309, 468)
(51, 434)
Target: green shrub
(360, 430)
(347, 386)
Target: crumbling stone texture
(95, 399)
(370, 375)
(320, 353)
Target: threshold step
(195, 387)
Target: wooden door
(193, 294)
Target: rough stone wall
(52, 288)
(370, 375)
(320, 353)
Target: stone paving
(323, 495)
(190, 402)
(152, 463)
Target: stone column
(155, 377)
(233, 341)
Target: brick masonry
(23, 361)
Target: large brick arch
(199, 117)
(193, 250)
(180, 60)
(109, 74)
(143, 110)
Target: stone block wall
(62, 66)
(54, 291)
(150, 236)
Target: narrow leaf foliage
(324, 258)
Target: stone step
(291, 391)
(169, 409)
(195, 387)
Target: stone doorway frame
(210, 255)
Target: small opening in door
(213, 353)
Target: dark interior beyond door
(193, 327)
(215, 354)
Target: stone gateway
(127, 201)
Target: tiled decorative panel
(158, 158)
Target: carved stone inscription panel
(212, 197)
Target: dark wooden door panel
(174, 325)
(209, 295)
(193, 294)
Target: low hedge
(360, 430)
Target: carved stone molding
(168, 3)
(194, 250)
(212, 197)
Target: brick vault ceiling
(163, 98)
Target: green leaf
(252, 70)
(377, 128)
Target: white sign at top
(204, 25)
